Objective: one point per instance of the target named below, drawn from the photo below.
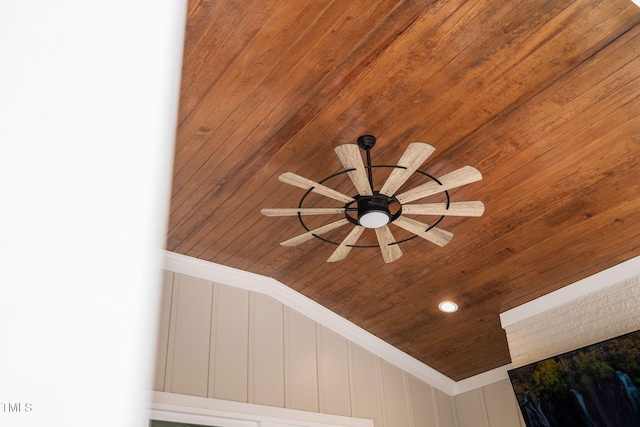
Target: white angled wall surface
(493, 405)
(221, 342)
(591, 318)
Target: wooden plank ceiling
(541, 96)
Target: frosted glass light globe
(374, 219)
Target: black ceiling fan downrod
(366, 142)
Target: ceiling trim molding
(596, 282)
(483, 379)
(256, 283)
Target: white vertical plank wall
(474, 413)
(446, 410)
(492, 405)
(227, 343)
(301, 376)
(396, 401)
(499, 414)
(189, 332)
(366, 399)
(333, 372)
(266, 351)
(230, 344)
(423, 403)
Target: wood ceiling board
(517, 242)
(541, 97)
(476, 325)
(520, 238)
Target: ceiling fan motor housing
(373, 211)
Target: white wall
(493, 405)
(227, 343)
(88, 104)
(321, 315)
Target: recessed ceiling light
(448, 306)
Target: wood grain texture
(540, 98)
(351, 158)
(390, 251)
(346, 245)
(472, 208)
(414, 156)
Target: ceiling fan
(376, 209)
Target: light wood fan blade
(344, 248)
(306, 184)
(473, 208)
(415, 154)
(301, 211)
(457, 178)
(435, 235)
(390, 252)
(349, 155)
(318, 231)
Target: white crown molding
(229, 276)
(256, 283)
(483, 379)
(596, 282)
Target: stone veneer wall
(591, 318)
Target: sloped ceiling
(541, 96)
